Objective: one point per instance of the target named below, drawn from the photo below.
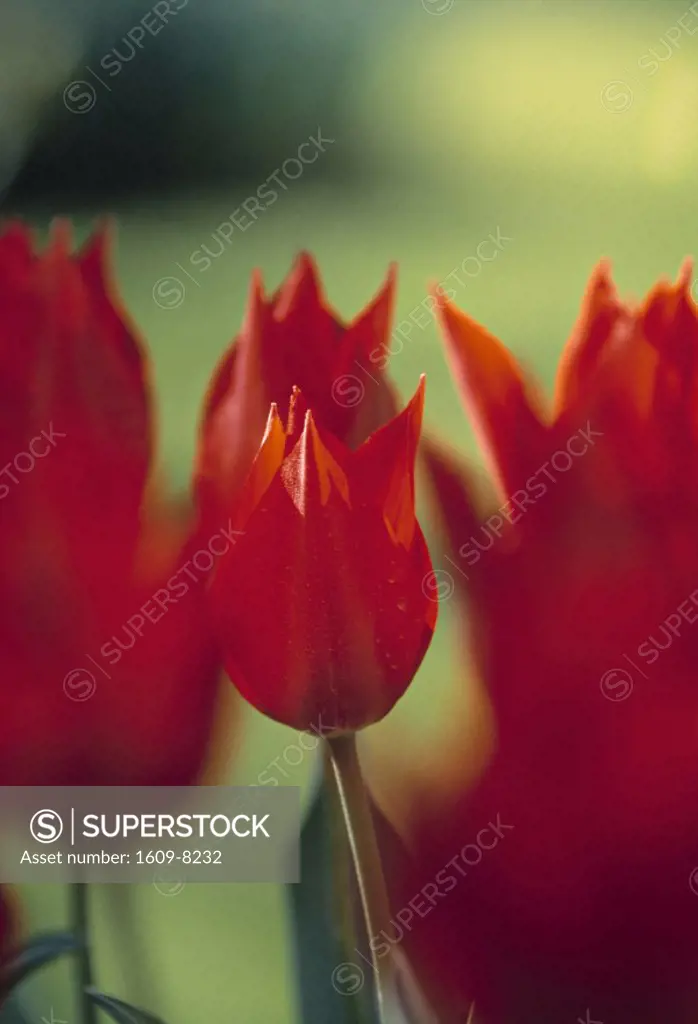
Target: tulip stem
(365, 854)
(79, 892)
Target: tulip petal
(267, 463)
(295, 339)
(395, 446)
(454, 489)
(503, 412)
(369, 331)
(310, 472)
(236, 409)
(85, 556)
(601, 318)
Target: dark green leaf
(39, 951)
(335, 983)
(121, 1012)
(11, 1012)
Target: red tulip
(295, 339)
(321, 608)
(107, 676)
(582, 578)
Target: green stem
(79, 898)
(364, 849)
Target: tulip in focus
(582, 587)
(320, 608)
(293, 338)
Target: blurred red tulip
(582, 584)
(295, 339)
(321, 606)
(95, 688)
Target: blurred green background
(544, 120)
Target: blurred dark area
(121, 98)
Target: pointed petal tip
(416, 405)
(256, 294)
(685, 275)
(600, 287)
(273, 416)
(305, 270)
(274, 425)
(418, 398)
(443, 305)
(368, 330)
(297, 409)
(458, 324)
(95, 250)
(306, 261)
(469, 343)
(665, 290)
(319, 469)
(409, 420)
(300, 289)
(256, 303)
(60, 236)
(104, 231)
(386, 292)
(602, 274)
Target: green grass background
(493, 115)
